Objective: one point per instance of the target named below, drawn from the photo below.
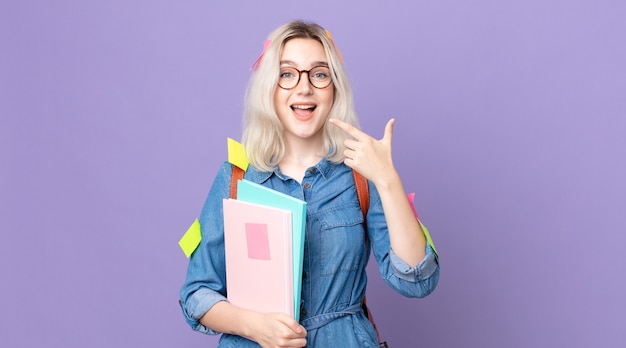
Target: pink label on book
(258, 241)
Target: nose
(304, 85)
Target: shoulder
(224, 172)
(221, 179)
(256, 175)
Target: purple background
(511, 123)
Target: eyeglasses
(318, 76)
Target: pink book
(259, 267)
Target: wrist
(247, 323)
(388, 182)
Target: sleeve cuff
(197, 305)
(422, 271)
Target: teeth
(303, 107)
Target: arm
(202, 296)
(372, 158)
(408, 280)
(269, 330)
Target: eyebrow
(313, 65)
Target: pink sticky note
(411, 198)
(258, 241)
(266, 44)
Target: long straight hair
(263, 132)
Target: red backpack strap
(363, 194)
(236, 175)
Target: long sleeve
(205, 284)
(418, 281)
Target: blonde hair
(263, 132)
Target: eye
(320, 74)
(287, 74)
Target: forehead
(303, 53)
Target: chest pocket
(342, 239)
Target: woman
(302, 138)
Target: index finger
(348, 128)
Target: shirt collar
(324, 167)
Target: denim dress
(335, 257)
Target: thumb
(389, 130)
(295, 326)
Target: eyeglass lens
(318, 76)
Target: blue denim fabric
(334, 266)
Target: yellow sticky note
(429, 240)
(237, 154)
(191, 239)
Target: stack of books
(264, 242)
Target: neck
(298, 157)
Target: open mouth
(303, 111)
(303, 107)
